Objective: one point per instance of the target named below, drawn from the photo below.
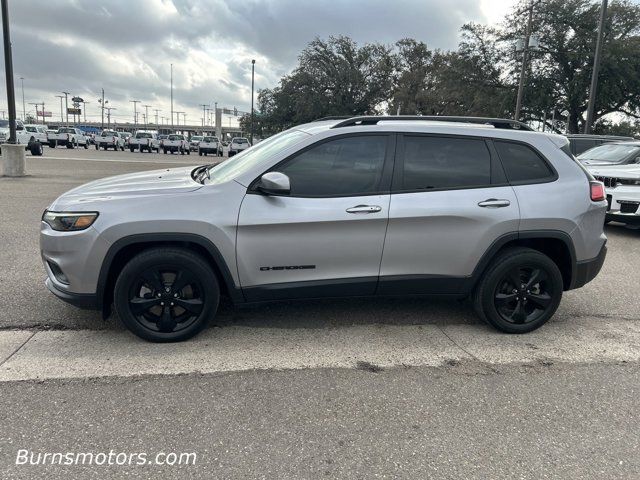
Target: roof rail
(504, 123)
(334, 117)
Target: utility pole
(66, 106)
(24, 110)
(135, 112)
(61, 115)
(172, 95)
(8, 66)
(42, 113)
(525, 58)
(596, 68)
(204, 112)
(157, 111)
(37, 116)
(253, 70)
(146, 116)
(85, 111)
(109, 116)
(102, 104)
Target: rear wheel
(166, 294)
(520, 291)
(86, 145)
(97, 147)
(36, 149)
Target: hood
(597, 163)
(631, 172)
(141, 184)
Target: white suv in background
(39, 132)
(622, 184)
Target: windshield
(66, 130)
(176, 137)
(195, 139)
(246, 160)
(240, 140)
(144, 135)
(4, 123)
(107, 133)
(209, 139)
(610, 153)
(31, 129)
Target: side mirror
(274, 183)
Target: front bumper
(587, 270)
(87, 301)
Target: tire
(36, 149)
(131, 149)
(148, 282)
(200, 153)
(188, 152)
(97, 147)
(164, 150)
(511, 308)
(86, 145)
(182, 151)
(52, 144)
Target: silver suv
(466, 207)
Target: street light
(66, 106)
(253, 70)
(24, 110)
(61, 114)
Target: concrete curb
(88, 353)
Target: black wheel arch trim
(144, 238)
(503, 240)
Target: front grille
(609, 182)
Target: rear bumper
(587, 270)
(87, 301)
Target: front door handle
(494, 203)
(364, 209)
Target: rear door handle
(494, 203)
(364, 209)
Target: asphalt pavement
(350, 388)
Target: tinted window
(522, 163)
(346, 166)
(443, 162)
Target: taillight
(597, 191)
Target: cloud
(127, 46)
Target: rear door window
(523, 164)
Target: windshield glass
(31, 129)
(246, 160)
(610, 153)
(176, 137)
(240, 140)
(107, 133)
(4, 123)
(144, 135)
(209, 139)
(66, 130)
(195, 139)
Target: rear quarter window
(523, 164)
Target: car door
(325, 237)
(450, 201)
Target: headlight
(69, 221)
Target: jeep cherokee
(466, 207)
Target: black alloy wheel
(520, 290)
(166, 294)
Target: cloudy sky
(127, 46)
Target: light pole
(66, 106)
(8, 66)
(24, 110)
(253, 70)
(157, 111)
(172, 95)
(85, 111)
(596, 68)
(61, 114)
(135, 112)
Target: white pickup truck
(39, 132)
(109, 139)
(176, 143)
(209, 145)
(144, 140)
(23, 137)
(69, 137)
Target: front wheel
(36, 149)
(166, 294)
(97, 147)
(86, 145)
(520, 291)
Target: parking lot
(293, 365)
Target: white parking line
(83, 354)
